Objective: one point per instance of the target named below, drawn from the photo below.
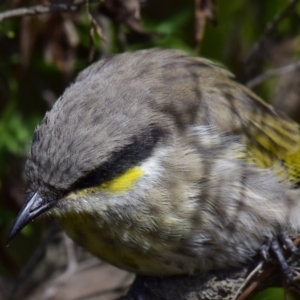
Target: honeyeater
(162, 164)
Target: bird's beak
(33, 207)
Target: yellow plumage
(274, 141)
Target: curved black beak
(33, 207)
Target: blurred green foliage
(274, 294)
(29, 78)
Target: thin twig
(43, 9)
(94, 27)
(249, 277)
(203, 9)
(259, 46)
(273, 72)
(256, 283)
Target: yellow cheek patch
(123, 182)
(119, 184)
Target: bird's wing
(272, 139)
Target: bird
(162, 164)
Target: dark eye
(131, 155)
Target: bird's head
(94, 139)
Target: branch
(273, 72)
(44, 9)
(259, 46)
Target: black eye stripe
(138, 150)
